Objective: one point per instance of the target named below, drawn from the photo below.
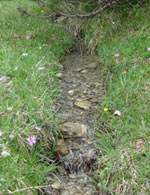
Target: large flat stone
(73, 129)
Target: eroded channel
(81, 90)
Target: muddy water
(81, 90)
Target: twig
(28, 188)
(46, 158)
(94, 13)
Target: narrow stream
(78, 101)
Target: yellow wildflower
(105, 109)
(125, 72)
(42, 11)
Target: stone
(92, 65)
(84, 71)
(77, 69)
(59, 75)
(71, 92)
(73, 191)
(62, 147)
(83, 104)
(3, 79)
(73, 129)
(56, 185)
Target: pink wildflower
(53, 108)
(148, 49)
(16, 68)
(28, 37)
(117, 55)
(38, 128)
(25, 54)
(41, 68)
(117, 113)
(31, 140)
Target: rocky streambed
(81, 90)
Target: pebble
(56, 185)
(62, 147)
(83, 104)
(59, 75)
(92, 65)
(71, 92)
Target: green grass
(124, 141)
(28, 101)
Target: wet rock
(83, 104)
(56, 185)
(62, 147)
(59, 75)
(73, 129)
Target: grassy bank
(29, 60)
(122, 40)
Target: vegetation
(29, 60)
(122, 40)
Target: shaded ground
(81, 90)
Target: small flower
(41, 68)
(42, 11)
(25, 54)
(38, 128)
(125, 72)
(148, 49)
(5, 153)
(28, 24)
(105, 109)
(1, 133)
(28, 37)
(53, 108)
(117, 113)
(9, 108)
(16, 68)
(11, 137)
(31, 140)
(117, 55)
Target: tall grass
(122, 39)
(29, 60)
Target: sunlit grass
(122, 41)
(29, 60)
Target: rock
(3, 79)
(77, 69)
(73, 191)
(84, 71)
(92, 65)
(71, 92)
(56, 185)
(73, 129)
(59, 75)
(83, 104)
(62, 147)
